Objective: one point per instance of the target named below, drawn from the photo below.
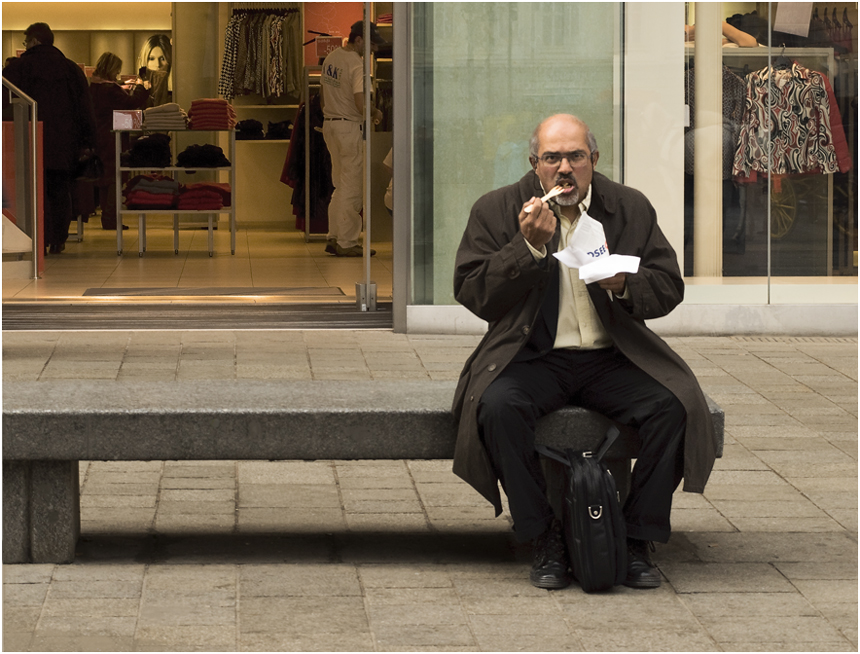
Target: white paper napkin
(609, 266)
(588, 252)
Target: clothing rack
(274, 12)
(278, 8)
(262, 50)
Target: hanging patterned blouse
(806, 134)
(262, 54)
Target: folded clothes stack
(203, 196)
(249, 130)
(211, 113)
(151, 192)
(165, 117)
(148, 151)
(202, 156)
(281, 130)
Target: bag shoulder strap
(552, 453)
(611, 436)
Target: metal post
(770, 92)
(117, 161)
(402, 236)
(307, 180)
(365, 294)
(34, 187)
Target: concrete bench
(48, 427)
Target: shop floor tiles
(272, 261)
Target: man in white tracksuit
(342, 96)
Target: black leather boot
(550, 568)
(641, 572)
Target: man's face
(563, 140)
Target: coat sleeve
(12, 72)
(494, 267)
(658, 287)
(86, 118)
(134, 100)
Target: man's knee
(506, 418)
(499, 402)
(674, 409)
(665, 425)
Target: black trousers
(602, 380)
(107, 201)
(58, 206)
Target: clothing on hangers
(293, 172)
(801, 122)
(262, 53)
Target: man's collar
(586, 201)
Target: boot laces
(550, 545)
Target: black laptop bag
(594, 528)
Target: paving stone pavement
(401, 555)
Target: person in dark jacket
(59, 87)
(553, 340)
(107, 96)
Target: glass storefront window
(485, 74)
(773, 149)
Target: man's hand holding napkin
(587, 251)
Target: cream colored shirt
(343, 77)
(579, 326)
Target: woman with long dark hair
(156, 56)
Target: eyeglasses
(575, 159)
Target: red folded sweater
(221, 188)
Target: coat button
(491, 367)
(472, 398)
(525, 329)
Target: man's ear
(533, 162)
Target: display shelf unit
(260, 161)
(142, 213)
(265, 113)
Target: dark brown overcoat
(59, 86)
(498, 279)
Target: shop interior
(790, 226)
(275, 256)
(801, 220)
